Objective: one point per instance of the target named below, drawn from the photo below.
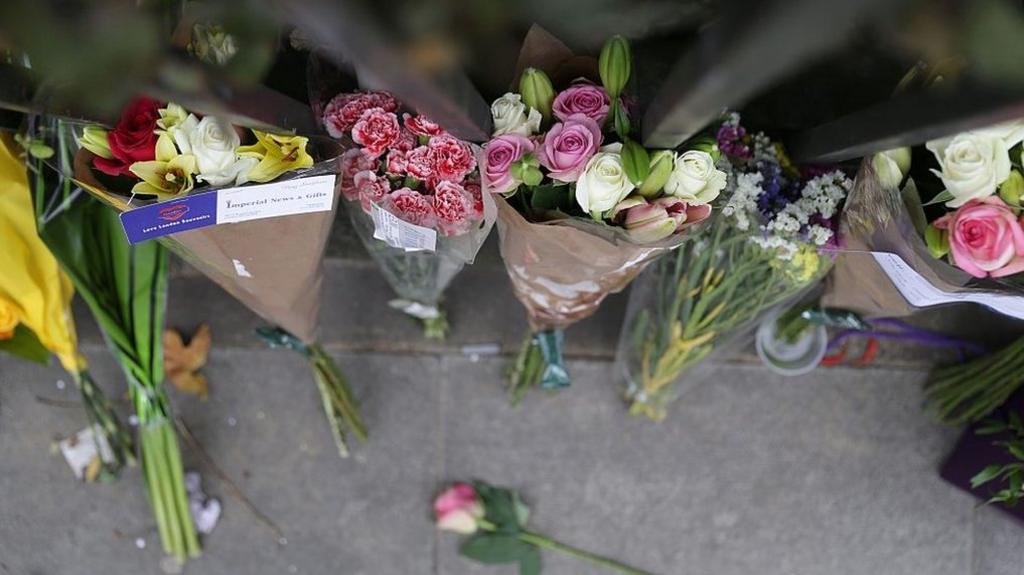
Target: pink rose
(458, 509)
(499, 155)
(352, 162)
(421, 125)
(985, 238)
(371, 188)
(568, 146)
(476, 194)
(453, 207)
(397, 162)
(419, 164)
(344, 110)
(583, 98)
(376, 130)
(411, 206)
(452, 159)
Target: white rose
(1011, 133)
(603, 183)
(512, 116)
(694, 178)
(972, 165)
(215, 150)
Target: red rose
(411, 206)
(352, 162)
(451, 158)
(376, 130)
(371, 188)
(133, 139)
(453, 207)
(344, 110)
(420, 164)
(476, 194)
(421, 125)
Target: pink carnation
(453, 207)
(371, 188)
(411, 206)
(476, 194)
(451, 158)
(405, 142)
(582, 98)
(344, 110)
(421, 125)
(499, 155)
(376, 130)
(568, 146)
(397, 162)
(352, 162)
(985, 238)
(419, 164)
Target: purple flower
(731, 141)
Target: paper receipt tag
(228, 206)
(398, 233)
(920, 293)
(80, 449)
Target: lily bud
(614, 65)
(891, 166)
(661, 164)
(902, 158)
(94, 139)
(1011, 190)
(635, 161)
(937, 241)
(705, 144)
(537, 92)
(620, 119)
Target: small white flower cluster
(743, 201)
(764, 149)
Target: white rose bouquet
(582, 207)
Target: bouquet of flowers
(35, 311)
(272, 265)
(413, 191)
(582, 208)
(769, 242)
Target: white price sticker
(399, 233)
(298, 196)
(920, 293)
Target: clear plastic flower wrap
(413, 190)
(773, 239)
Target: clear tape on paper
(919, 292)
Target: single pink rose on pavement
(458, 509)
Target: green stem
(548, 543)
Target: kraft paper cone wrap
(273, 266)
(562, 270)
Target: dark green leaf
(530, 562)
(1015, 422)
(1016, 449)
(549, 198)
(986, 475)
(495, 548)
(25, 345)
(990, 426)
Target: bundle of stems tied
(125, 288)
(967, 392)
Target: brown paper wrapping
(278, 274)
(561, 270)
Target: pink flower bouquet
(414, 197)
(582, 206)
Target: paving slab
(830, 473)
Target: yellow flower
(94, 139)
(170, 174)
(805, 265)
(277, 154)
(30, 277)
(171, 116)
(10, 317)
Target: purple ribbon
(899, 330)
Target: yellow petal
(165, 148)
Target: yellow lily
(277, 154)
(170, 174)
(171, 116)
(32, 282)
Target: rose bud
(458, 509)
(661, 165)
(614, 65)
(1011, 190)
(537, 91)
(647, 223)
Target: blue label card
(229, 205)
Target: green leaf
(940, 198)
(495, 548)
(1015, 422)
(991, 426)
(1016, 449)
(26, 345)
(912, 201)
(550, 198)
(530, 563)
(522, 510)
(986, 475)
